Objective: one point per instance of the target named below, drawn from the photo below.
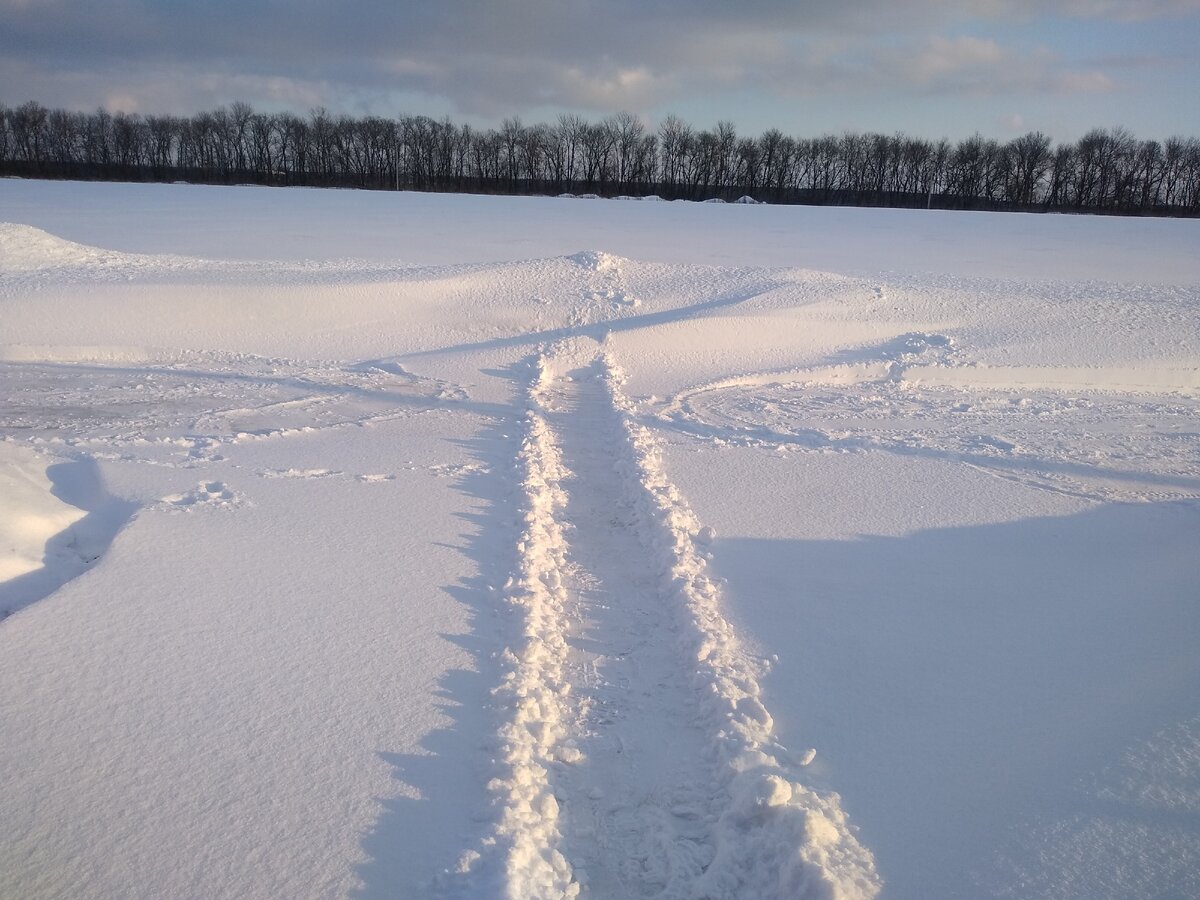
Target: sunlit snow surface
(379, 545)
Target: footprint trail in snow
(637, 758)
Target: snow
(32, 514)
(373, 545)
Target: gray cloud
(502, 57)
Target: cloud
(946, 59)
(153, 89)
(494, 86)
(494, 58)
(981, 67)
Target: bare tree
(1028, 161)
(675, 145)
(1104, 169)
(5, 142)
(28, 124)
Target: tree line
(1106, 170)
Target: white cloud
(981, 67)
(943, 59)
(1083, 83)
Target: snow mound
(916, 343)
(56, 521)
(606, 283)
(31, 513)
(747, 200)
(596, 261)
(25, 248)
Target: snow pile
(596, 261)
(608, 286)
(26, 250)
(775, 837)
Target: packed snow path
(634, 821)
(640, 760)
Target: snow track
(534, 688)
(637, 757)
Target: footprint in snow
(207, 494)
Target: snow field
(262, 488)
(441, 229)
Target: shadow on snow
(417, 840)
(73, 550)
(983, 675)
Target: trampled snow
(375, 545)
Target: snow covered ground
(381, 545)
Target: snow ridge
(526, 837)
(775, 837)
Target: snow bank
(24, 248)
(30, 514)
(56, 521)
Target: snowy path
(639, 760)
(637, 804)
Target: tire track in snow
(638, 759)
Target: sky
(926, 67)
